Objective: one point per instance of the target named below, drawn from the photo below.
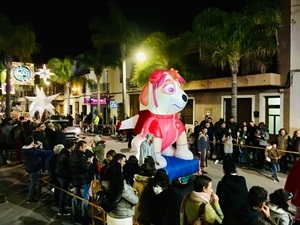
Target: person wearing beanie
(279, 203)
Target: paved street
(14, 183)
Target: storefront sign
(93, 101)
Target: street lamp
(139, 57)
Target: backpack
(106, 200)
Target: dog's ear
(144, 98)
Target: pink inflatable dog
(163, 99)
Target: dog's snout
(184, 97)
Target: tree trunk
(68, 97)
(234, 71)
(8, 84)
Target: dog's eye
(169, 88)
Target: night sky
(63, 28)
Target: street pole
(124, 88)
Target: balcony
(257, 80)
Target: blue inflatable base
(180, 167)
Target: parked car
(73, 132)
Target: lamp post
(140, 57)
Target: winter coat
(41, 136)
(33, 158)
(125, 207)
(232, 192)
(141, 208)
(264, 137)
(203, 142)
(212, 211)
(292, 183)
(228, 145)
(79, 168)
(281, 216)
(62, 169)
(255, 217)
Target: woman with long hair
(119, 192)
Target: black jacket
(232, 192)
(62, 169)
(79, 168)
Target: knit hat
(280, 197)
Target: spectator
(60, 134)
(19, 138)
(203, 147)
(80, 179)
(158, 195)
(141, 179)
(261, 136)
(50, 133)
(109, 157)
(39, 136)
(9, 145)
(130, 168)
(219, 132)
(33, 165)
(279, 203)
(119, 191)
(228, 144)
(203, 194)
(177, 191)
(52, 174)
(292, 185)
(99, 150)
(232, 188)
(63, 174)
(283, 140)
(257, 198)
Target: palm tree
(115, 31)
(162, 52)
(17, 42)
(230, 36)
(99, 60)
(63, 72)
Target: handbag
(200, 220)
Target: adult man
(63, 174)
(8, 133)
(39, 136)
(79, 167)
(32, 157)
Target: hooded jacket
(32, 157)
(280, 215)
(232, 191)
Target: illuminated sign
(93, 101)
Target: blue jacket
(33, 158)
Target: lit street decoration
(44, 73)
(40, 103)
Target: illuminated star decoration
(41, 103)
(44, 73)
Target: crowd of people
(249, 145)
(145, 195)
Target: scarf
(200, 197)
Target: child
(244, 158)
(274, 156)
